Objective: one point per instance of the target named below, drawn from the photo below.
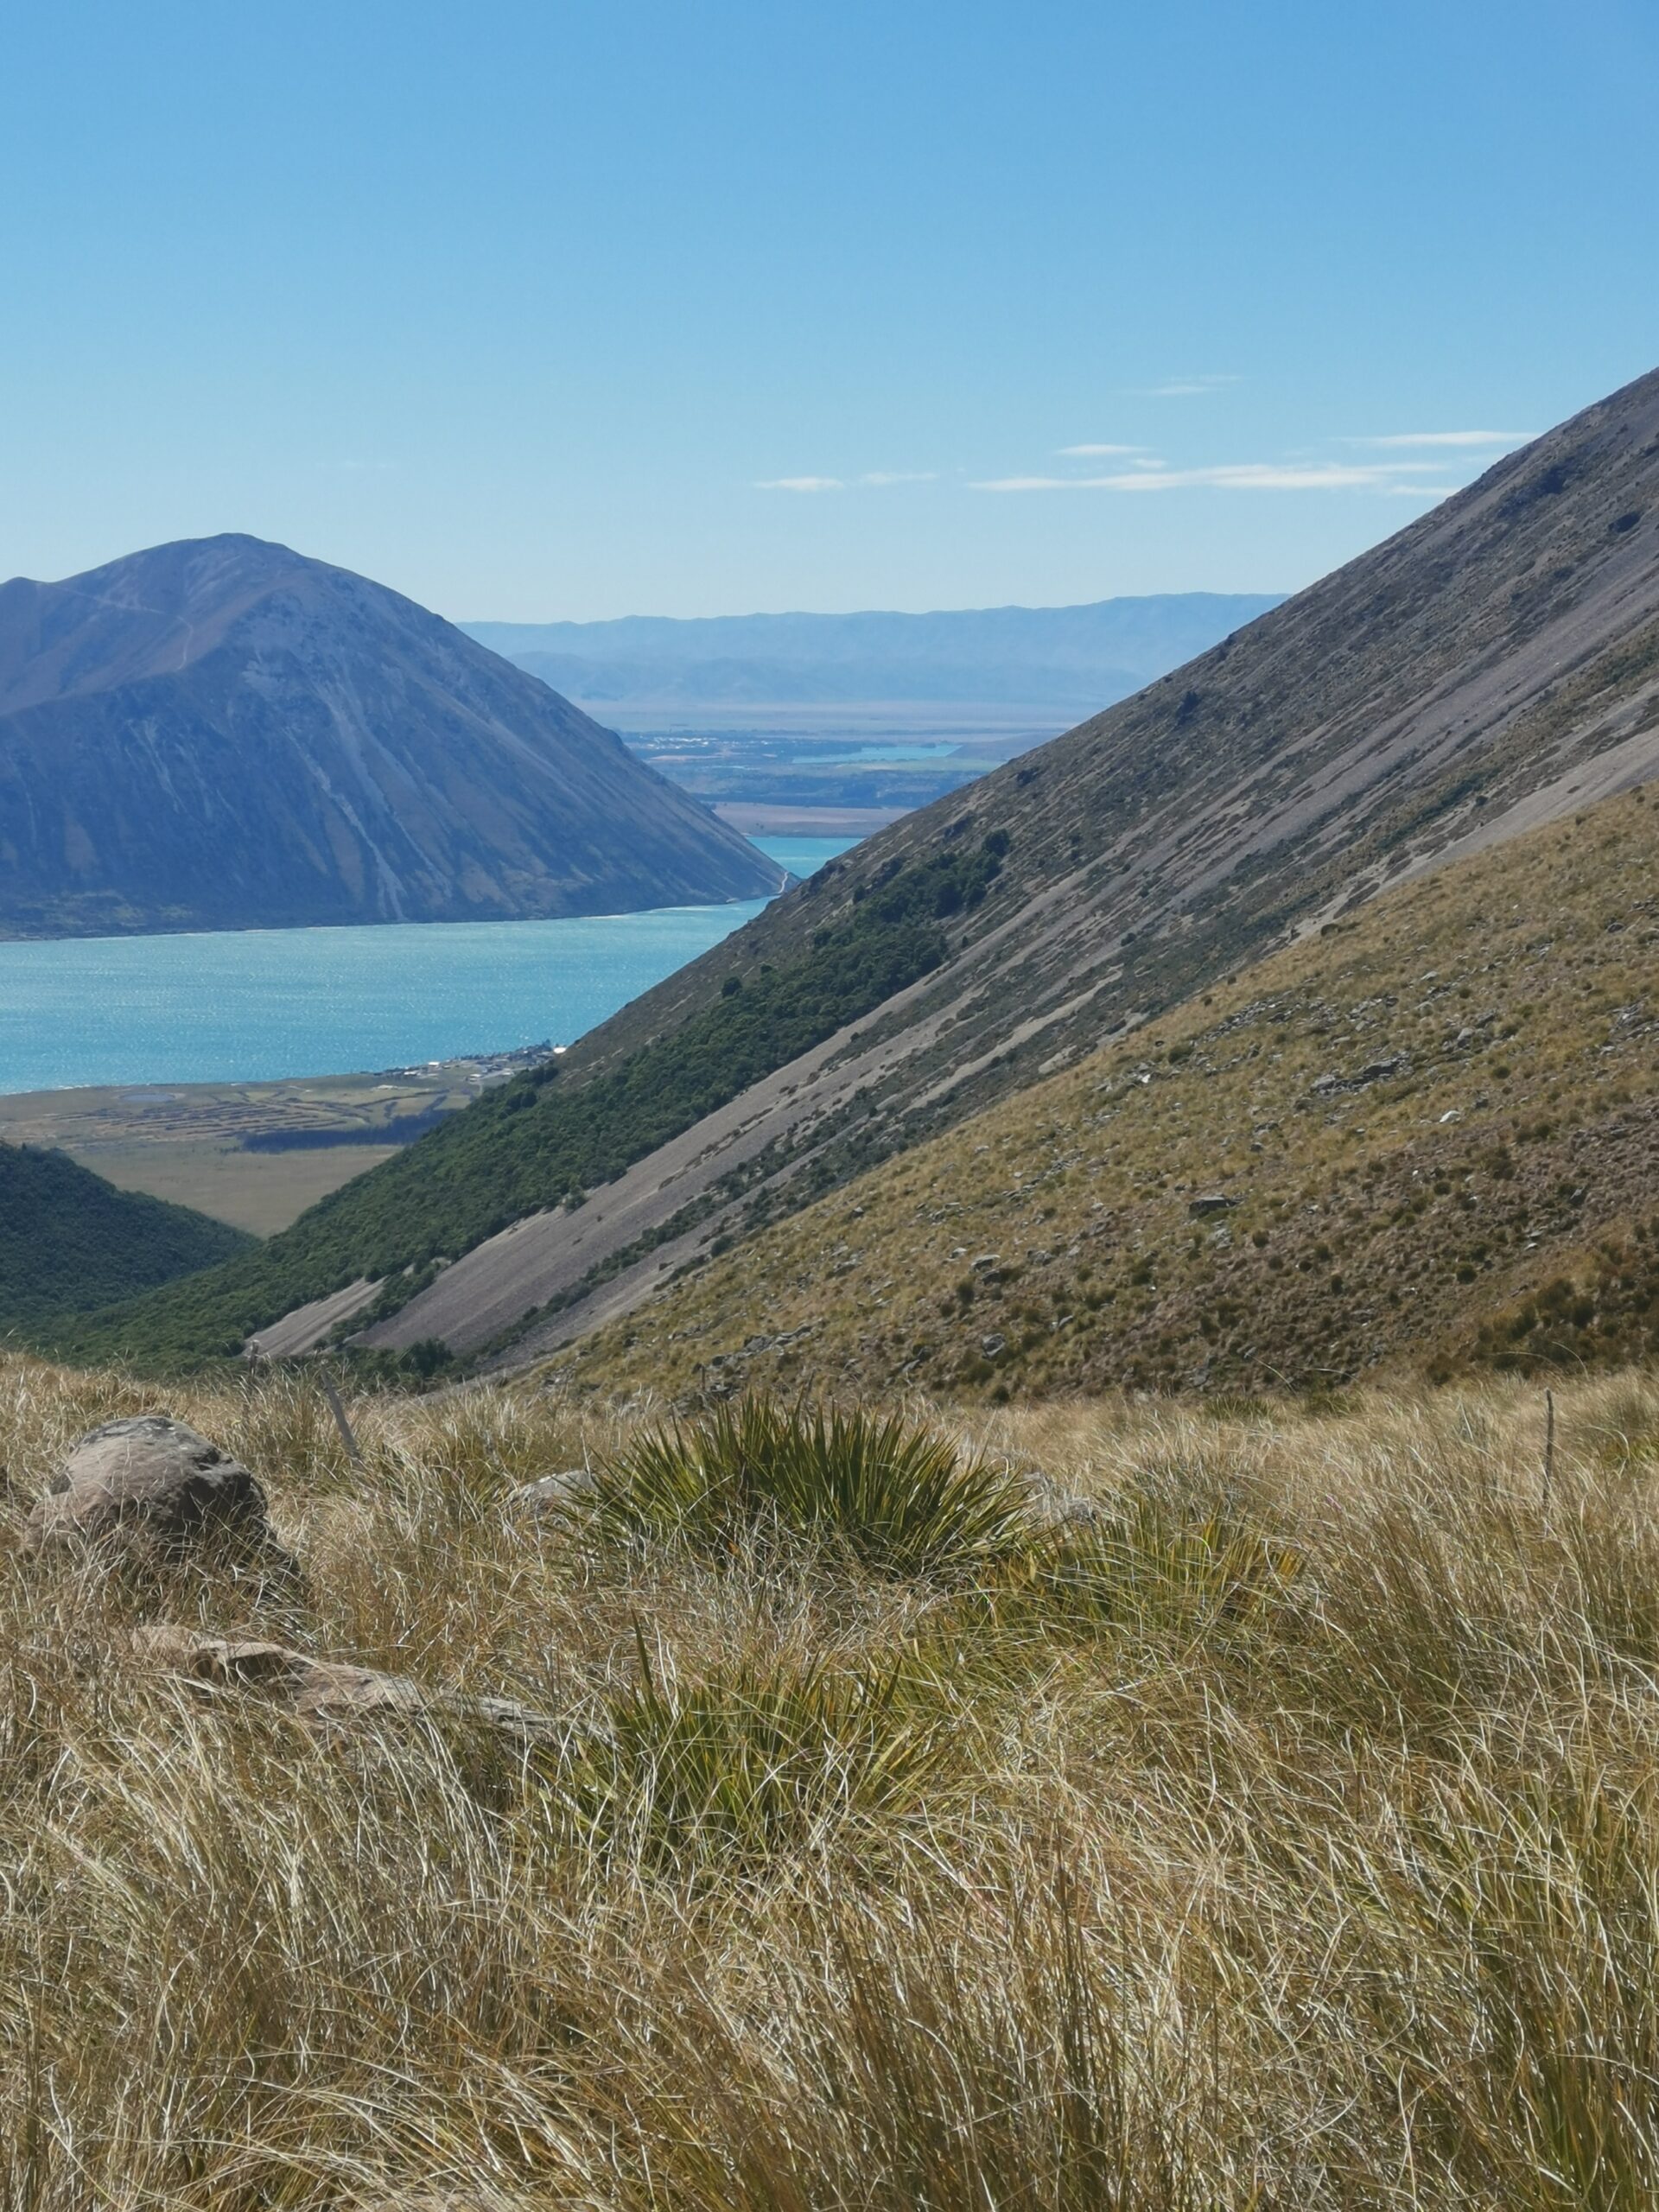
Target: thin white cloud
(1096, 453)
(1423, 490)
(1449, 438)
(876, 477)
(1037, 484)
(1226, 476)
(1181, 388)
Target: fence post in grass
(1550, 1442)
(338, 1409)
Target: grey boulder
(150, 1479)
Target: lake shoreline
(154, 1024)
(263, 1006)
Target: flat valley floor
(188, 1142)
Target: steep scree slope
(1494, 664)
(222, 734)
(1431, 1132)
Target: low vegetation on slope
(544, 1139)
(69, 1241)
(1430, 1132)
(1444, 689)
(1283, 1829)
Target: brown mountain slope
(1429, 1133)
(1494, 664)
(222, 734)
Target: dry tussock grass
(1402, 1116)
(1298, 1847)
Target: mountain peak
(147, 614)
(193, 569)
(221, 733)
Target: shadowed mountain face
(70, 1242)
(222, 734)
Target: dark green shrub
(895, 1497)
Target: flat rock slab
(327, 1693)
(307, 1326)
(152, 1478)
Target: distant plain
(188, 1142)
(789, 771)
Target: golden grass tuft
(1287, 1835)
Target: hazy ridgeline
(1285, 1836)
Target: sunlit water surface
(248, 1005)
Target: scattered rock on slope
(1494, 1205)
(550, 1497)
(151, 1480)
(326, 1693)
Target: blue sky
(696, 306)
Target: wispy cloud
(1037, 484)
(1096, 453)
(1423, 490)
(875, 478)
(1179, 388)
(1449, 438)
(1226, 476)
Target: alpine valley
(1491, 669)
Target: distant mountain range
(1064, 659)
(220, 734)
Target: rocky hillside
(70, 1242)
(1494, 665)
(222, 734)
(1430, 1133)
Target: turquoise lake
(248, 1005)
